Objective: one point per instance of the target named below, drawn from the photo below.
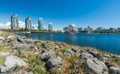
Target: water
(104, 42)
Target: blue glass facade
(50, 26)
(14, 21)
(28, 23)
(40, 24)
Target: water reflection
(105, 42)
(50, 37)
(72, 39)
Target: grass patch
(6, 33)
(36, 65)
(2, 59)
(115, 59)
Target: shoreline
(44, 57)
(45, 31)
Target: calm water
(104, 42)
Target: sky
(83, 13)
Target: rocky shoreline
(21, 55)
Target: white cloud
(21, 24)
(5, 26)
(8, 24)
(35, 26)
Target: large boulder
(45, 55)
(114, 70)
(11, 62)
(52, 62)
(11, 38)
(95, 66)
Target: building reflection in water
(72, 39)
(50, 37)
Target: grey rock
(76, 66)
(79, 52)
(86, 55)
(23, 46)
(4, 53)
(106, 55)
(20, 46)
(118, 56)
(25, 40)
(114, 70)
(105, 58)
(44, 45)
(52, 62)
(33, 47)
(11, 38)
(95, 66)
(69, 52)
(94, 53)
(74, 50)
(57, 48)
(21, 40)
(77, 63)
(45, 55)
(11, 62)
(2, 38)
(30, 41)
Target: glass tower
(14, 21)
(40, 24)
(28, 23)
(50, 26)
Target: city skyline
(71, 28)
(27, 24)
(93, 13)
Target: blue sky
(104, 13)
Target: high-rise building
(50, 26)
(28, 23)
(14, 21)
(40, 24)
